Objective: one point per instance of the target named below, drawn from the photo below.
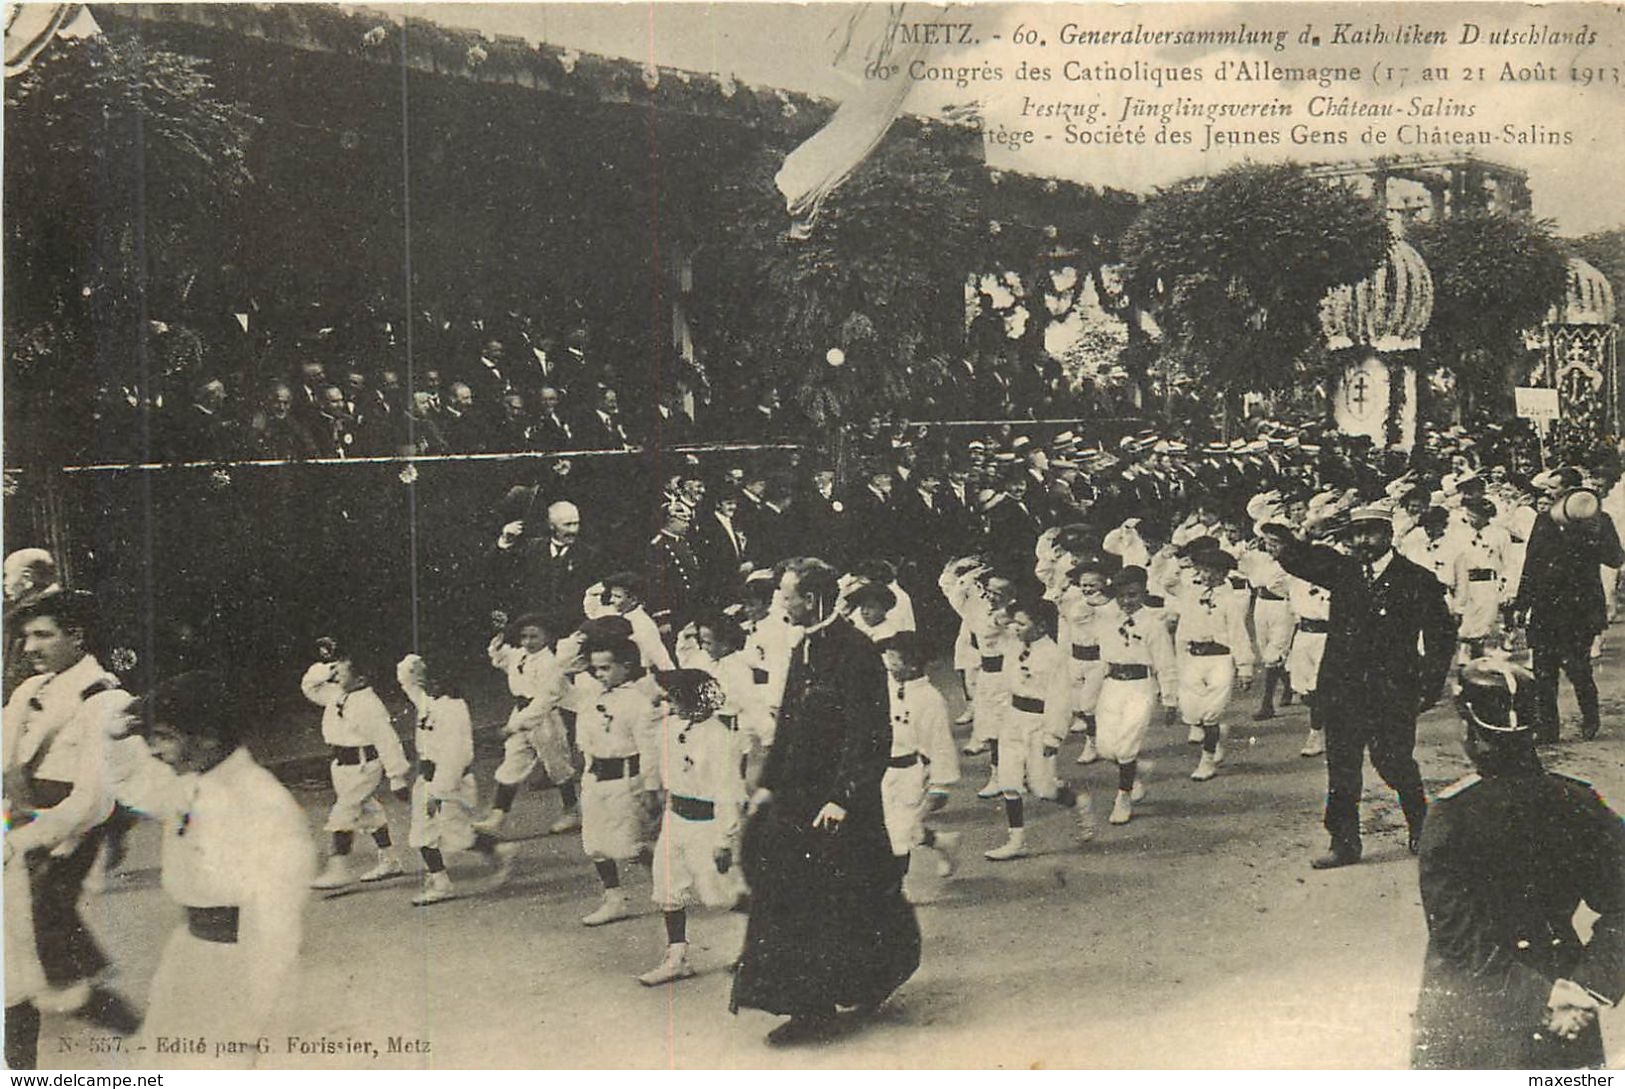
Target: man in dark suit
(721, 549)
(1561, 596)
(550, 431)
(201, 430)
(1373, 681)
(823, 516)
(874, 513)
(1013, 526)
(546, 573)
(1508, 855)
(601, 428)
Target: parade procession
(527, 547)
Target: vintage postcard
(837, 535)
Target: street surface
(1195, 937)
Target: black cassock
(828, 922)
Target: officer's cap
(1497, 696)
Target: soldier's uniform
(1507, 855)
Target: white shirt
(354, 719)
(232, 837)
(919, 723)
(50, 724)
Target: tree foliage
(1606, 252)
(117, 155)
(1234, 269)
(1494, 278)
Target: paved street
(1195, 937)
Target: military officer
(1508, 854)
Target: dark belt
(426, 769)
(1030, 704)
(605, 769)
(758, 676)
(1128, 671)
(992, 663)
(213, 924)
(1482, 574)
(42, 794)
(1269, 595)
(350, 755)
(522, 702)
(691, 809)
(1314, 627)
(1085, 652)
(907, 761)
(1207, 650)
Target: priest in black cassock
(829, 926)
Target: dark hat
(602, 632)
(1205, 543)
(693, 691)
(909, 645)
(198, 703)
(1498, 697)
(1433, 518)
(1129, 575)
(1213, 559)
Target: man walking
(1373, 680)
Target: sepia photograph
(813, 536)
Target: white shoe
(1315, 745)
(991, 790)
(947, 846)
(1079, 726)
(335, 875)
(1206, 768)
(1122, 809)
(1014, 847)
(966, 717)
(614, 907)
(502, 864)
(1218, 753)
(675, 966)
(1194, 736)
(1137, 794)
(492, 823)
(388, 866)
(975, 748)
(437, 888)
(64, 1000)
(1090, 753)
(570, 822)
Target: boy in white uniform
(1484, 559)
(444, 793)
(1139, 658)
(693, 859)
(618, 733)
(871, 608)
(1033, 726)
(769, 640)
(356, 726)
(1083, 598)
(1273, 622)
(1213, 648)
(923, 761)
(534, 733)
(236, 855)
(1312, 606)
(622, 594)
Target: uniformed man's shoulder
(1460, 786)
